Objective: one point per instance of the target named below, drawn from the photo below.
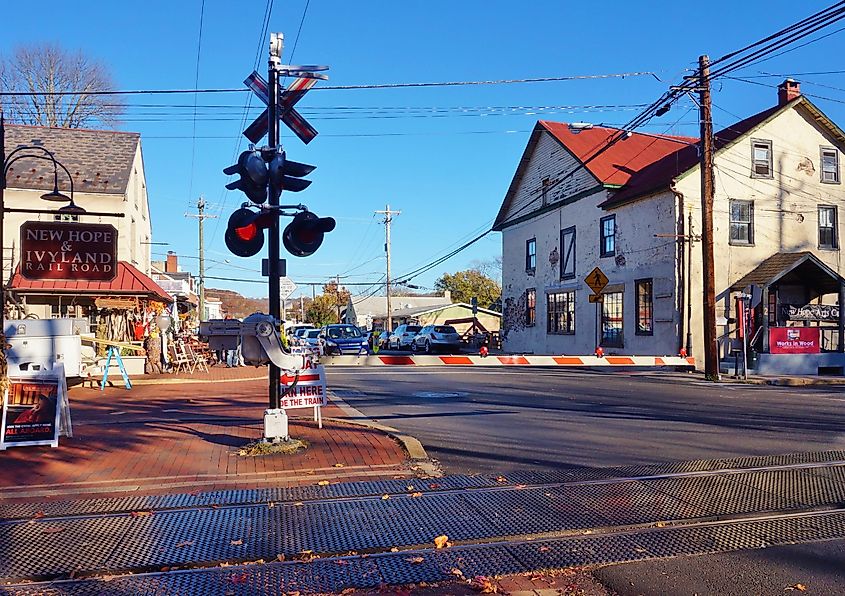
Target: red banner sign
(794, 340)
(68, 251)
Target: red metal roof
(659, 174)
(127, 282)
(617, 163)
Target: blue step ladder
(113, 351)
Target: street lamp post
(54, 195)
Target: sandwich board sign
(35, 410)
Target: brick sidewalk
(159, 438)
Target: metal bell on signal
(304, 235)
(244, 234)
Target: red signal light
(247, 232)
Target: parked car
(311, 338)
(343, 339)
(436, 338)
(403, 337)
(384, 340)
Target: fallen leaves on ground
(394, 549)
(415, 560)
(338, 465)
(184, 543)
(501, 479)
(457, 572)
(660, 524)
(442, 541)
(52, 530)
(238, 578)
(341, 562)
(799, 587)
(410, 487)
(141, 513)
(323, 483)
(236, 542)
(385, 497)
(434, 486)
(520, 486)
(483, 585)
(543, 549)
(39, 514)
(298, 504)
(415, 495)
(280, 558)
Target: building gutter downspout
(684, 272)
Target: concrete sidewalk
(184, 434)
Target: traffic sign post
(286, 287)
(597, 281)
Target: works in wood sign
(68, 251)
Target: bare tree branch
(50, 69)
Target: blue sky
(445, 168)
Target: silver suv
(403, 337)
(437, 338)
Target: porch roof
(800, 268)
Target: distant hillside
(235, 305)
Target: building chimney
(787, 91)
(172, 264)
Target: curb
(412, 445)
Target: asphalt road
(495, 420)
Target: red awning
(127, 282)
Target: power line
(339, 87)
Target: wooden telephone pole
(388, 218)
(201, 217)
(711, 351)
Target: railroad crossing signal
(597, 280)
(293, 119)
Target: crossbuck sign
(293, 119)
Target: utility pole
(388, 218)
(201, 217)
(337, 295)
(711, 354)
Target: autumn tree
(464, 285)
(324, 309)
(47, 71)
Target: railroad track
(371, 533)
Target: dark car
(437, 338)
(343, 339)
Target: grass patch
(261, 448)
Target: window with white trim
(761, 158)
(828, 236)
(567, 253)
(830, 165)
(742, 221)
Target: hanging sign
(35, 410)
(810, 312)
(794, 340)
(68, 251)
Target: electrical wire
(194, 126)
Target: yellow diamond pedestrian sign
(597, 280)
